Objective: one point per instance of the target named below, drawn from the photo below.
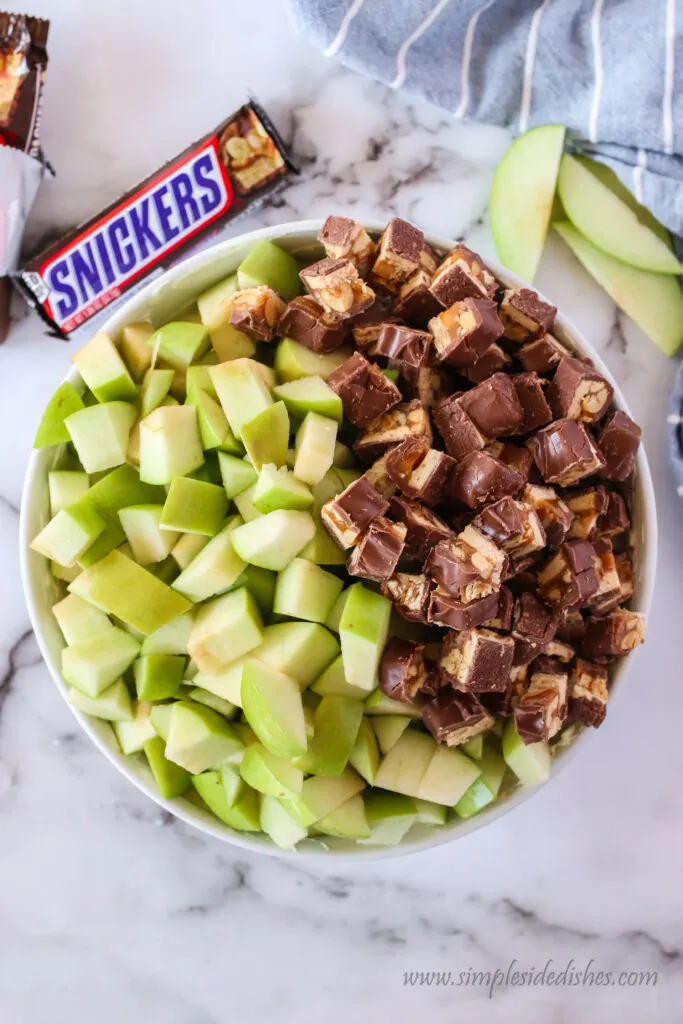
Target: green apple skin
(530, 762)
(279, 488)
(610, 180)
(266, 436)
(132, 736)
(233, 784)
(277, 822)
(261, 585)
(293, 361)
(321, 795)
(193, 506)
(364, 756)
(363, 631)
(653, 301)
(100, 434)
(179, 343)
(346, 822)
(448, 777)
(171, 779)
(389, 729)
(198, 737)
(272, 706)
(187, 547)
(134, 349)
(94, 665)
(160, 717)
(305, 591)
(201, 696)
(120, 488)
(273, 540)
(214, 428)
(215, 568)
(521, 197)
(242, 391)
(170, 444)
(215, 306)
(243, 816)
(609, 223)
(268, 264)
(158, 676)
(237, 474)
(224, 629)
(52, 429)
(332, 681)
(171, 638)
(390, 817)
(79, 621)
(271, 775)
(404, 767)
(334, 618)
(112, 705)
(486, 788)
(70, 533)
(298, 649)
(104, 371)
(310, 394)
(474, 747)
(67, 487)
(155, 387)
(198, 381)
(336, 722)
(429, 813)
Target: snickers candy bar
(536, 412)
(338, 287)
(588, 693)
(565, 453)
(458, 431)
(409, 594)
(468, 566)
(408, 420)
(513, 526)
(379, 478)
(306, 321)
(578, 392)
(346, 239)
(615, 519)
(464, 331)
(349, 513)
(555, 514)
(476, 660)
(405, 345)
(608, 594)
(430, 385)
(559, 651)
(618, 442)
(503, 617)
(364, 390)
(453, 717)
(542, 355)
(378, 550)
(612, 635)
(542, 709)
(424, 528)
(570, 578)
(525, 315)
(493, 407)
(446, 610)
(571, 626)
(533, 627)
(606, 601)
(462, 275)
(366, 327)
(256, 312)
(519, 459)
(493, 361)
(420, 471)
(479, 479)
(402, 670)
(588, 507)
(400, 253)
(414, 302)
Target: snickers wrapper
(155, 224)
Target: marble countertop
(111, 910)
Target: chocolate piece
(430, 386)
(364, 390)
(479, 480)
(349, 513)
(615, 519)
(462, 275)
(464, 331)
(571, 626)
(514, 526)
(565, 453)
(588, 693)
(525, 315)
(337, 286)
(459, 433)
(493, 407)
(256, 312)
(618, 442)
(621, 591)
(503, 618)
(445, 610)
(541, 711)
(519, 459)
(378, 550)
(378, 477)
(306, 321)
(429, 258)
(366, 327)
(409, 348)
(402, 670)
(453, 717)
(588, 506)
(535, 410)
(424, 528)
(578, 392)
(493, 361)
(407, 420)
(476, 660)
(420, 471)
(555, 514)
(533, 627)
(542, 355)
(415, 303)
(409, 594)
(570, 577)
(468, 566)
(400, 253)
(558, 650)
(346, 239)
(612, 635)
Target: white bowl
(160, 301)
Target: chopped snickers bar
(349, 513)
(513, 525)
(408, 348)
(404, 421)
(306, 321)
(424, 528)
(493, 361)
(571, 626)
(606, 601)
(536, 412)
(615, 519)
(446, 610)
(479, 480)
(415, 303)
(525, 315)
(256, 312)
(578, 392)
(477, 660)
(364, 390)
(346, 239)
(420, 471)
(459, 433)
(337, 286)
(468, 566)
(493, 407)
(618, 442)
(588, 693)
(555, 514)
(430, 385)
(409, 594)
(402, 670)
(464, 331)
(588, 507)
(378, 477)
(565, 453)
(462, 275)
(400, 253)
(542, 709)
(453, 717)
(378, 550)
(366, 327)
(612, 635)
(570, 578)
(542, 355)
(519, 459)
(533, 627)
(503, 618)
(559, 650)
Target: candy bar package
(157, 222)
(23, 60)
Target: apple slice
(279, 488)
(448, 777)
(158, 676)
(346, 822)
(95, 664)
(100, 434)
(134, 349)
(70, 533)
(245, 504)
(201, 696)
(653, 301)
(273, 540)
(272, 706)
(214, 428)
(389, 729)
(611, 181)
(609, 223)
(67, 486)
(406, 764)
(266, 436)
(198, 381)
(62, 572)
(121, 488)
(310, 394)
(390, 816)
(227, 682)
(321, 795)
(193, 506)
(293, 361)
(52, 428)
(186, 549)
(199, 737)
(215, 568)
(379, 704)
(332, 681)
(172, 638)
(170, 444)
(224, 629)
(429, 813)
(155, 387)
(521, 197)
(160, 717)
(142, 526)
(112, 705)
(474, 747)
(297, 649)
(364, 756)
(242, 391)
(268, 264)
(233, 784)
(278, 823)
(243, 815)
(269, 774)
(530, 762)
(171, 779)
(336, 722)
(485, 789)
(78, 620)
(215, 306)
(132, 736)
(322, 550)
(363, 631)
(305, 591)
(179, 343)
(334, 618)
(104, 371)
(315, 441)
(237, 474)
(261, 585)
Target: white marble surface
(110, 911)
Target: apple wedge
(272, 706)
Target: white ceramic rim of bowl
(426, 836)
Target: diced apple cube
(199, 737)
(225, 629)
(155, 387)
(315, 441)
(310, 394)
(336, 722)
(100, 434)
(104, 371)
(363, 631)
(298, 649)
(179, 343)
(530, 762)
(112, 705)
(279, 488)
(293, 361)
(66, 487)
(158, 676)
(266, 436)
(215, 567)
(69, 534)
(272, 706)
(243, 815)
(448, 777)
(273, 540)
(193, 506)
(93, 665)
(142, 526)
(242, 391)
(171, 779)
(305, 591)
(364, 756)
(390, 817)
(170, 444)
(237, 474)
(268, 264)
(79, 621)
(215, 306)
(269, 774)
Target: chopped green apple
(485, 789)
(224, 629)
(201, 696)
(273, 540)
(215, 306)
(269, 774)
(277, 822)
(134, 349)
(155, 387)
(104, 371)
(364, 756)
(332, 681)
(243, 815)
(186, 549)
(142, 526)
(112, 705)
(172, 638)
(63, 572)
(448, 777)
(193, 506)
(305, 591)
(429, 813)
(266, 436)
(237, 474)
(170, 444)
(160, 717)
(272, 706)
(198, 737)
(297, 649)
(215, 568)
(334, 618)
(321, 795)
(227, 683)
(242, 391)
(279, 488)
(390, 816)
(171, 779)
(233, 783)
(653, 301)
(100, 434)
(336, 722)
(363, 631)
(529, 761)
(132, 736)
(121, 488)
(261, 585)
(198, 380)
(67, 486)
(179, 343)
(293, 361)
(70, 533)
(52, 428)
(343, 456)
(315, 440)
(93, 665)
(158, 676)
(321, 549)
(309, 394)
(522, 195)
(214, 428)
(389, 729)
(379, 704)
(474, 747)
(78, 620)
(404, 767)
(268, 264)
(346, 822)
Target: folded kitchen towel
(607, 69)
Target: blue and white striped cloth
(605, 68)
